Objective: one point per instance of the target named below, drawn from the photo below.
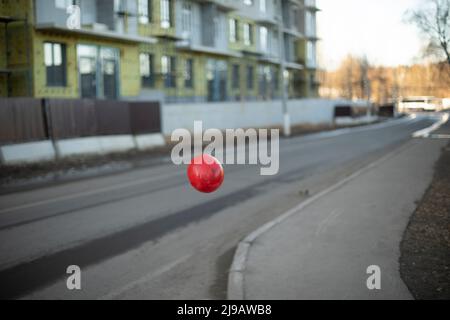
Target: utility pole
(286, 116)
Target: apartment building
(174, 50)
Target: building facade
(172, 50)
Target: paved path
(323, 251)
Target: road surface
(145, 234)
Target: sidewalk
(322, 251)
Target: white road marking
(425, 133)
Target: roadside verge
(425, 249)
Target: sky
(375, 28)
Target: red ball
(205, 173)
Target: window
(55, 63)
(166, 14)
(310, 54)
(308, 23)
(186, 17)
(263, 37)
(145, 11)
(248, 2)
(120, 6)
(294, 19)
(108, 66)
(146, 67)
(262, 84)
(217, 27)
(189, 73)
(262, 5)
(233, 30)
(248, 34)
(275, 79)
(168, 70)
(98, 71)
(217, 77)
(312, 81)
(250, 77)
(236, 76)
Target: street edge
(425, 133)
(235, 288)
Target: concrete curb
(235, 290)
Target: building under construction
(170, 50)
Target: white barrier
(45, 150)
(27, 152)
(149, 141)
(121, 143)
(255, 114)
(94, 145)
(79, 146)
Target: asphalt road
(145, 234)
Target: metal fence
(22, 120)
(26, 120)
(145, 117)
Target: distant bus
(446, 103)
(419, 104)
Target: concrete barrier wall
(223, 115)
(94, 145)
(149, 141)
(46, 150)
(27, 152)
(313, 111)
(230, 115)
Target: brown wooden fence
(21, 120)
(145, 117)
(25, 120)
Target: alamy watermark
(74, 20)
(74, 280)
(374, 280)
(229, 147)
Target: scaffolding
(7, 70)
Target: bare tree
(364, 81)
(434, 21)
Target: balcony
(204, 30)
(98, 18)
(266, 19)
(292, 20)
(224, 5)
(95, 33)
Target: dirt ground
(425, 249)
